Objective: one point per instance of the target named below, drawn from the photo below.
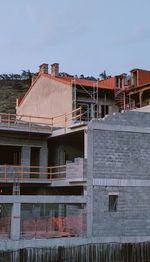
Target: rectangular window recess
(113, 202)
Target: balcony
(38, 174)
(38, 124)
(25, 123)
(71, 172)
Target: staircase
(122, 100)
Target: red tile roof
(104, 84)
(108, 84)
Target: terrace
(34, 124)
(25, 123)
(72, 171)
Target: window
(119, 82)
(104, 110)
(135, 78)
(113, 202)
(10, 155)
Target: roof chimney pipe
(43, 69)
(55, 69)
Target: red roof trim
(59, 79)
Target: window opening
(104, 110)
(113, 203)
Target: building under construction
(73, 167)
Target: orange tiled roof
(108, 84)
(104, 84)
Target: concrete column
(92, 115)
(90, 183)
(43, 156)
(130, 103)
(140, 98)
(76, 169)
(15, 221)
(44, 160)
(85, 143)
(25, 155)
(25, 159)
(105, 103)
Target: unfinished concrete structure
(77, 181)
(37, 177)
(98, 192)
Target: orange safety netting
(5, 226)
(54, 226)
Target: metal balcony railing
(37, 123)
(25, 122)
(66, 119)
(32, 173)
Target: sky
(83, 36)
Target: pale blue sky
(84, 36)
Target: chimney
(43, 69)
(55, 69)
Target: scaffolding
(86, 98)
(123, 99)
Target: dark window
(113, 202)
(104, 110)
(135, 78)
(117, 82)
(35, 156)
(10, 155)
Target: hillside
(9, 91)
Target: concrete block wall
(77, 169)
(123, 155)
(128, 118)
(133, 212)
(118, 163)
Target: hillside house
(54, 94)
(133, 91)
